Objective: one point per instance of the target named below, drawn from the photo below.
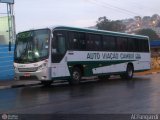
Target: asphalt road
(113, 96)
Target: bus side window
(143, 45)
(109, 43)
(146, 46)
(82, 41)
(94, 42)
(73, 41)
(77, 41)
(137, 45)
(131, 45)
(122, 44)
(140, 45)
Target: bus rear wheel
(129, 72)
(75, 76)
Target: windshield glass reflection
(32, 46)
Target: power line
(134, 3)
(122, 9)
(106, 5)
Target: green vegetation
(104, 24)
(148, 26)
(148, 32)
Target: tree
(155, 17)
(104, 24)
(148, 32)
(138, 18)
(158, 24)
(146, 18)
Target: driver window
(58, 46)
(61, 44)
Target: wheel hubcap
(130, 72)
(76, 75)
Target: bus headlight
(15, 68)
(43, 66)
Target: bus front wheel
(75, 76)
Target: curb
(35, 84)
(4, 87)
(149, 73)
(154, 73)
(18, 86)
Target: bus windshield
(32, 46)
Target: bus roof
(95, 31)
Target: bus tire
(46, 83)
(129, 72)
(75, 76)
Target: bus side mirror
(9, 46)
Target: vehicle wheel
(75, 76)
(46, 83)
(104, 77)
(129, 72)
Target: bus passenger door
(59, 63)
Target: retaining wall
(6, 63)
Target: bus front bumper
(38, 75)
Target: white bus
(73, 53)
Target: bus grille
(28, 78)
(32, 69)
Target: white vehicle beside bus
(70, 53)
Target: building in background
(4, 32)
(7, 34)
(146, 22)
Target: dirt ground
(155, 67)
(152, 71)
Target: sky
(32, 14)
